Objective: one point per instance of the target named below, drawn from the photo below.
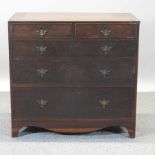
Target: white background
(144, 10)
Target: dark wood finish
(73, 76)
(67, 103)
(27, 50)
(31, 31)
(120, 72)
(74, 125)
(93, 30)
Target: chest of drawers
(73, 73)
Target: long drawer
(86, 71)
(47, 49)
(35, 103)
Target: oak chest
(73, 73)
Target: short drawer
(49, 49)
(35, 103)
(105, 72)
(42, 31)
(103, 31)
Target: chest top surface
(78, 17)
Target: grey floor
(97, 143)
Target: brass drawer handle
(104, 103)
(105, 72)
(42, 102)
(42, 32)
(105, 49)
(41, 49)
(105, 32)
(42, 72)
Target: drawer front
(42, 31)
(106, 72)
(49, 49)
(34, 103)
(103, 31)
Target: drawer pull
(104, 103)
(42, 102)
(42, 32)
(105, 72)
(105, 49)
(42, 72)
(41, 49)
(105, 32)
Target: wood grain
(73, 84)
(46, 17)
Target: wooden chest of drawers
(73, 73)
